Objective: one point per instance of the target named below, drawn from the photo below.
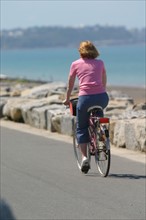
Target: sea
(125, 64)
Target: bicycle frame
(93, 125)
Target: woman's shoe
(85, 166)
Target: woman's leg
(83, 148)
(82, 125)
(82, 121)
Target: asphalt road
(40, 180)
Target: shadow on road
(6, 211)
(127, 176)
(118, 176)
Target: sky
(29, 13)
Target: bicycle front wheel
(103, 159)
(77, 150)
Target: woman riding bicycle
(92, 78)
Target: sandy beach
(137, 93)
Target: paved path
(40, 181)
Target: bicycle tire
(102, 155)
(77, 151)
(102, 159)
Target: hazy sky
(28, 13)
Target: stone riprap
(41, 107)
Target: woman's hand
(66, 102)
(70, 86)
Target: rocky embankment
(41, 106)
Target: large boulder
(19, 109)
(12, 109)
(119, 134)
(39, 115)
(117, 106)
(46, 90)
(130, 134)
(119, 96)
(54, 118)
(66, 124)
(139, 107)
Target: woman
(92, 78)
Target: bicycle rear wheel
(103, 158)
(77, 150)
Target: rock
(111, 130)
(56, 123)
(15, 114)
(12, 109)
(8, 89)
(42, 107)
(66, 124)
(116, 108)
(53, 119)
(130, 134)
(120, 104)
(19, 109)
(127, 99)
(25, 92)
(2, 103)
(50, 115)
(130, 137)
(130, 114)
(114, 114)
(15, 93)
(114, 94)
(30, 104)
(140, 106)
(39, 115)
(141, 134)
(119, 134)
(47, 90)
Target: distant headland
(58, 36)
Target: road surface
(40, 180)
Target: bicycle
(99, 144)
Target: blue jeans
(84, 102)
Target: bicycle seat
(95, 108)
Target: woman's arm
(71, 81)
(104, 78)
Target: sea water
(125, 65)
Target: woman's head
(88, 50)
